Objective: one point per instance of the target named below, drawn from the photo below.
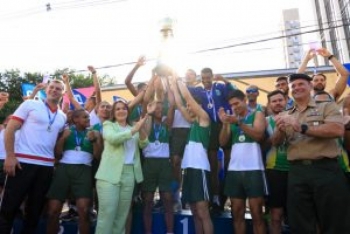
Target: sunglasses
(251, 91)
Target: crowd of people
(288, 158)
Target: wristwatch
(304, 128)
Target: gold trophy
(163, 68)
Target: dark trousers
(32, 182)
(318, 194)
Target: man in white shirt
(29, 169)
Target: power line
(56, 7)
(267, 39)
(236, 45)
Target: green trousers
(114, 203)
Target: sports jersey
(215, 98)
(276, 157)
(77, 148)
(158, 146)
(246, 153)
(195, 155)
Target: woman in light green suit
(120, 167)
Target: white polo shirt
(35, 143)
(2, 143)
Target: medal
(51, 120)
(79, 139)
(211, 103)
(157, 128)
(241, 138)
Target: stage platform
(183, 224)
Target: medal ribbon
(139, 110)
(157, 130)
(211, 101)
(78, 139)
(241, 132)
(51, 121)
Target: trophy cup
(163, 68)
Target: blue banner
(81, 98)
(347, 66)
(27, 90)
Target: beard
(278, 109)
(319, 87)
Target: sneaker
(92, 215)
(177, 206)
(158, 206)
(215, 209)
(71, 215)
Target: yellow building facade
(265, 80)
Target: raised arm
(128, 79)
(309, 55)
(138, 99)
(150, 89)
(178, 101)
(195, 107)
(69, 92)
(96, 84)
(343, 73)
(37, 88)
(171, 110)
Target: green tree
(11, 80)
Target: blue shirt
(212, 100)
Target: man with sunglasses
(252, 93)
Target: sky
(77, 33)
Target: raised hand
(138, 125)
(151, 107)
(141, 61)
(310, 54)
(91, 69)
(40, 86)
(324, 52)
(65, 78)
